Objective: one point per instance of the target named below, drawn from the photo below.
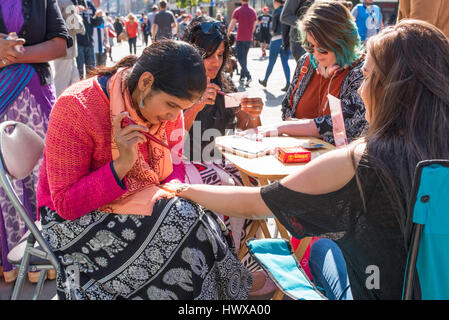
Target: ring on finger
(3, 61)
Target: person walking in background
(141, 26)
(435, 12)
(264, 23)
(219, 17)
(182, 26)
(118, 27)
(145, 28)
(164, 21)
(291, 13)
(276, 46)
(66, 71)
(27, 95)
(101, 41)
(151, 17)
(110, 30)
(132, 29)
(86, 56)
(246, 17)
(368, 18)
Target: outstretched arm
(247, 202)
(242, 202)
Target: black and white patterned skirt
(181, 251)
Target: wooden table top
(268, 167)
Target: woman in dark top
(210, 37)
(118, 26)
(27, 91)
(364, 206)
(209, 118)
(263, 30)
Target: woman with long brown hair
(363, 206)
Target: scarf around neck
(153, 163)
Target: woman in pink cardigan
(115, 232)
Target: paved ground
(271, 95)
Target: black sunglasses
(311, 49)
(209, 27)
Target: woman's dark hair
(408, 105)
(208, 43)
(177, 67)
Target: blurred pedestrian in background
(86, 53)
(277, 46)
(291, 13)
(101, 40)
(164, 22)
(66, 70)
(246, 19)
(132, 30)
(264, 25)
(182, 27)
(368, 18)
(118, 27)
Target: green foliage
(189, 3)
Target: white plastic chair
(20, 150)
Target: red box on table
(292, 154)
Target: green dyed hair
(333, 27)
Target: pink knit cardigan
(76, 177)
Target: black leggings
(132, 43)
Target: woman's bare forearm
(44, 52)
(298, 128)
(190, 116)
(241, 202)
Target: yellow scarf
(143, 178)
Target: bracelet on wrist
(182, 187)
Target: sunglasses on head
(209, 27)
(311, 49)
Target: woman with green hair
(331, 65)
